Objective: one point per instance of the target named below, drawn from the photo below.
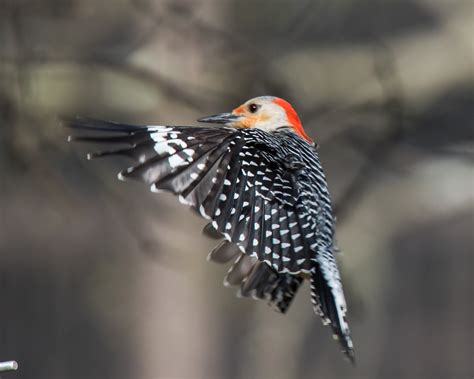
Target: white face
(261, 113)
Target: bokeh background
(102, 279)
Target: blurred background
(102, 279)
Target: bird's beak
(221, 118)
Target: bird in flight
(259, 182)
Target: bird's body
(259, 182)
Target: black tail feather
(325, 305)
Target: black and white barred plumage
(264, 193)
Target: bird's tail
(329, 302)
(254, 278)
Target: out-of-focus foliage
(101, 279)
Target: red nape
(292, 117)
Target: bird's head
(268, 113)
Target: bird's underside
(263, 193)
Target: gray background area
(102, 279)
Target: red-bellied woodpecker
(259, 182)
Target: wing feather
(264, 192)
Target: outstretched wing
(235, 178)
(255, 194)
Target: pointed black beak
(221, 118)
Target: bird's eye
(253, 108)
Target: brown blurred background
(102, 279)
